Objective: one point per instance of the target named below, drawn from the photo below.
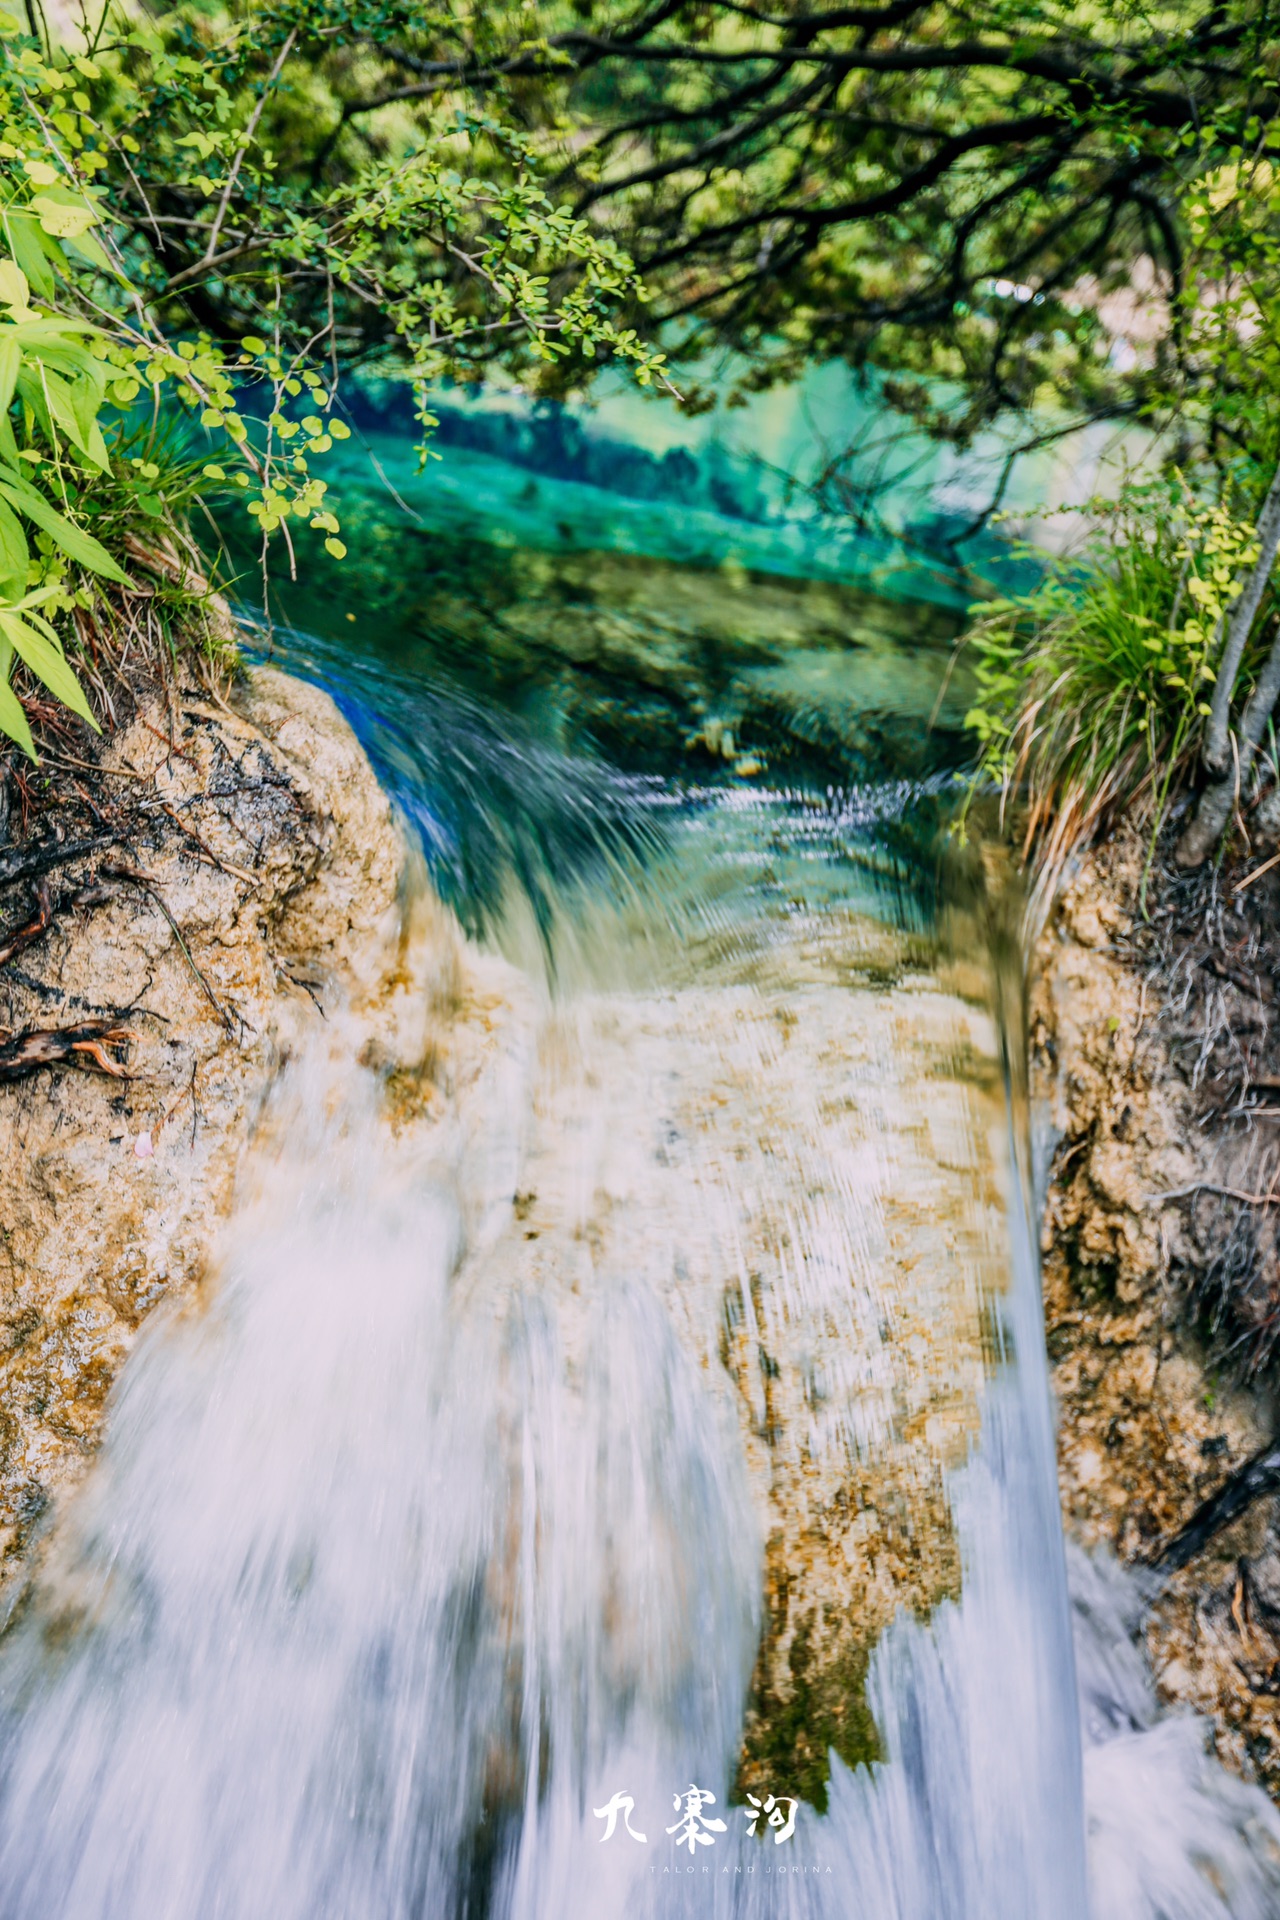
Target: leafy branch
(163, 251)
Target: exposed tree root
(1208, 959)
(1257, 1479)
(31, 930)
(25, 1053)
(1210, 1186)
(26, 863)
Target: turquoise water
(623, 596)
(819, 480)
(637, 588)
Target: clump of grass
(1092, 690)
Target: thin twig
(31, 930)
(168, 742)
(87, 766)
(246, 139)
(240, 873)
(147, 883)
(1256, 874)
(1207, 1186)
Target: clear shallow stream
(665, 1414)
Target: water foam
(402, 1557)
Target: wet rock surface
(795, 1138)
(1145, 1064)
(243, 856)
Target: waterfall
(512, 1442)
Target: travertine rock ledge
(263, 832)
(1149, 1426)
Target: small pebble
(143, 1147)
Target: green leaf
(13, 721)
(64, 223)
(10, 361)
(14, 289)
(92, 250)
(75, 543)
(47, 662)
(25, 244)
(69, 415)
(53, 332)
(85, 395)
(14, 553)
(31, 393)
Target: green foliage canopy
(946, 192)
(169, 238)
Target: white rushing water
(440, 1523)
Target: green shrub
(1092, 690)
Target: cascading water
(681, 1321)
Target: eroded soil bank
(1155, 1058)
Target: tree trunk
(1218, 798)
(1214, 810)
(1266, 820)
(1260, 708)
(1216, 752)
(1205, 831)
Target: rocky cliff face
(1151, 1423)
(241, 862)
